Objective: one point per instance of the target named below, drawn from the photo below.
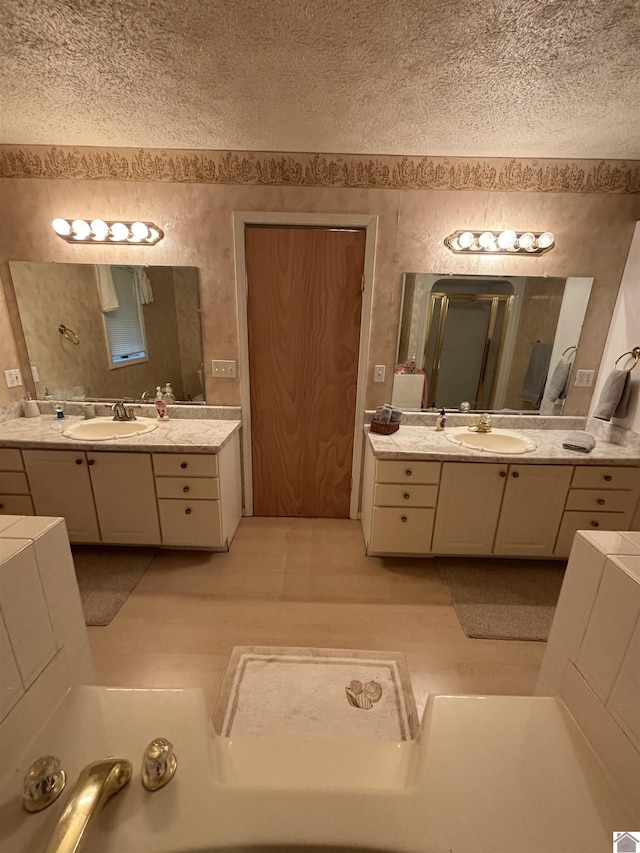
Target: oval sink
(105, 429)
(496, 441)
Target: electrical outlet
(584, 378)
(379, 371)
(223, 369)
(13, 378)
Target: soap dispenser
(441, 420)
(161, 406)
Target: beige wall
(593, 233)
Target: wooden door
(303, 302)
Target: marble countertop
(178, 435)
(418, 442)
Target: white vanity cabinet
(14, 485)
(103, 496)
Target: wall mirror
(110, 332)
(500, 343)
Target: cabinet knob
(515, 474)
(595, 524)
(503, 473)
(408, 472)
(601, 501)
(91, 462)
(187, 511)
(608, 478)
(183, 464)
(185, 488)
(78, 461)
(1, 506)
(406, 496)
(403, 519)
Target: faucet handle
(43, 783)
(159, 763)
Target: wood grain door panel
(304, 303)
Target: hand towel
(557, 386)
(107, 295)
(536, 376)
(614, 397)
(144, 286)
(578, 440)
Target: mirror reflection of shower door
(465, 338)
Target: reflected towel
(614, 397)
(536, 376)
(558, 385)
(578, 440)
(144, 286)
(107, 295)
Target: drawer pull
(595, 524)
(408, 472)
(404, 519)
(78, 461)
(183, 464)
(503, 473)
(185, 488)
(92, 462)
(187, 511)
(515, 474)
(406, 496)
(1, 506)
(601, 501)
(608, 478)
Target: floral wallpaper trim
(320, 170)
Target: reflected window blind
(124, 325)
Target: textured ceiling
(535, 78)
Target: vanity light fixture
(506, 242)
(99, 231)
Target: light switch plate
(379, 371)
(584, 378)
(13, 378)
(34, 373)
(223, 369)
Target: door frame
(369, 223)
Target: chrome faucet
(96, 783)
(120, 413)
(483, 425)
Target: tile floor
(299, 582)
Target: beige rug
(503, 599)
(317, 693)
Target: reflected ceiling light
(505, 242)
(100, 231)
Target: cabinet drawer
(393, 494)
(14, 483)
(602, 500)
(397, 471)
(401, 531)
(16, 505)
(587, 477)
(10, 459)
(191, 488)
(192, 523)
(185, 464)
(573, 521)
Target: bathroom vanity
(424, 495)
(178, 486)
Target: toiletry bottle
(441, 421)
(161, 406)
(30, 406)
(167, 395)
(47, 394)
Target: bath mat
(504, 599)
(107, 575)
(317, 693)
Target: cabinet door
(60, 486)
(468, 507)
(125, 497)
(532, 509)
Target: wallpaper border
(319, 170)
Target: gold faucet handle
(43, 783)
(159, 763)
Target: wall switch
(34, 373)
(379, 371)
(584, 378)
(13, 378)
(223, 369)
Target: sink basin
(496, 441)
(105, 429)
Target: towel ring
(567, 350)
(634, 353)
(68, 334)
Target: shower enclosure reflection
(492, 341)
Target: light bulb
(81, 229)
(153, 235)
(526, 240)
(507, 239)
(119, 231)
(100, 229)
(545, 240)
(61, 227)
(466, 240)
(487, 240)
(140, 230)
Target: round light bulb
(100, 229)
(487, 240)
(61, 227)
(119, 231)
(153, 235)
(545, 240)
(526, 240)
(466, 240)
(507, 239)
(81, 229)
(140, 230)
